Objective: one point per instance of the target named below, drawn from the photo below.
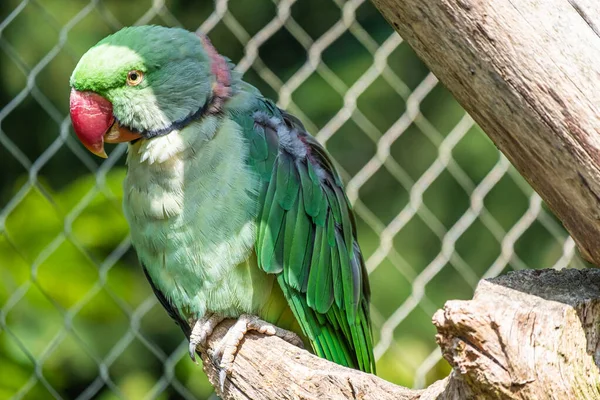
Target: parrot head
(141, 82)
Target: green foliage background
(77, 318)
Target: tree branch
(526, 335)
(528, 72)
(267, 367)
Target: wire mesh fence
(438, 207)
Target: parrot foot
(229, 345)
(203, 328)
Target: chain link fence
(438, 207)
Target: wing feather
(271, 224)
(307, 236)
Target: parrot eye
(134, 77)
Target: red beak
(94, 123)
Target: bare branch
(527, 335)
(267, 367)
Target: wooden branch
(528, 72)
(526, 335)
(530, 334)
(269, 368)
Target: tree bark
(528, 335)
(528, 72)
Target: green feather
(346, 222)
(356, 273)
(341, 349)
(287, 181)
(319, 220)
(333, 203)
(272, 143)
(313, 280)
(256, 140)
(270, 227)
(307, 260)
(297, 235)
(324, 296)
(312, 173)
(338, 286)
(311, 190)
(262, 223)
(362, 348)
(364, 321)
(341, 321)
(347, 281)
(264, 217)
(330, 230)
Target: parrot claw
(202, 329)
(222, 376)
(228, 347)
(192, 352)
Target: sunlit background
(438, 208)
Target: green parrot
(235, 210)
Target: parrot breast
(191, 203)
